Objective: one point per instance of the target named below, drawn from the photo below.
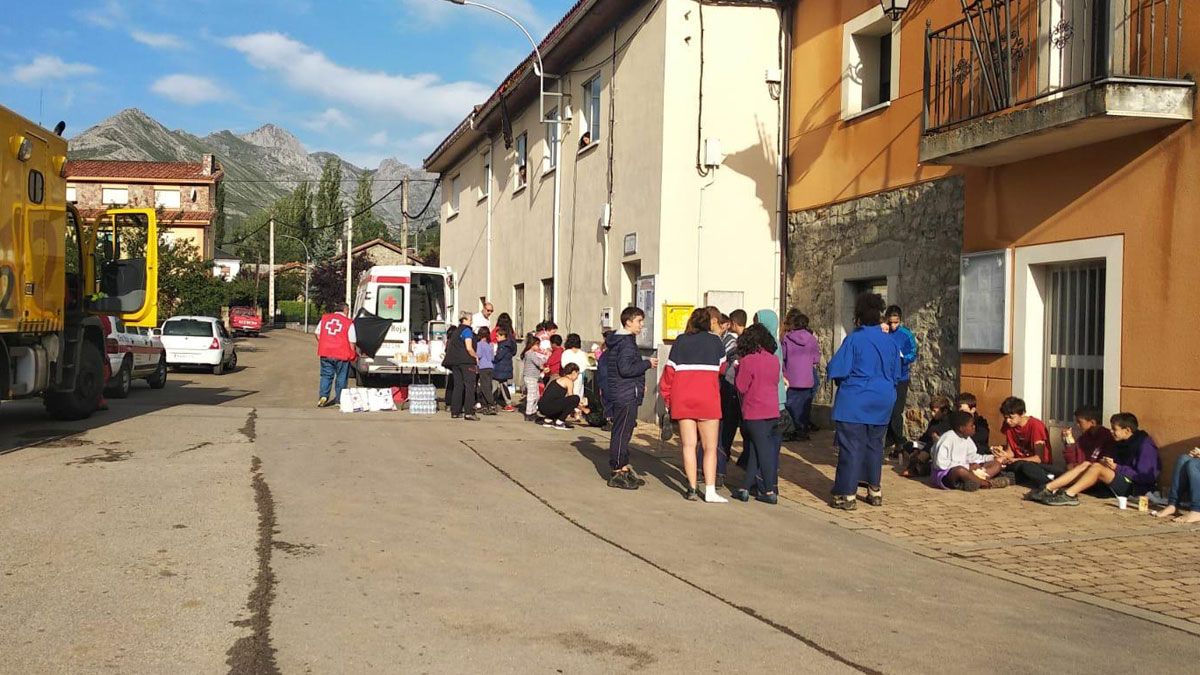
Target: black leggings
(464, 390)
(486, 387)
(559, 409)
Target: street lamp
(307, 264)
(540, 71)
(893, 8)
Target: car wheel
(219, 369)
(123, 381)
(159, 379)
(233, 361)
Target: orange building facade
(1022, 179)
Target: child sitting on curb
(957, 462)
(967, 401)
(920, 451)
(1094, 439)
(1128, 466)
(1027, 450)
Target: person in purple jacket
(1131, 469)
(801, 354)
(757, 384)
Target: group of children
(954, 452)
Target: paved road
(223, 524)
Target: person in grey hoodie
(801, 354)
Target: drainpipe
(784, 117)
(488, 207)
(558, 169)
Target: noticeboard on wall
(985, 298)
(645, 302)
(674, 320)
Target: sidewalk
(1126, 561)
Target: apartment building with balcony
(185, 193)
(661, 186)
(1018, 175)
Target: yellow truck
(58, 274)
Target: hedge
(293, 311)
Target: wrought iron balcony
(1085, 58)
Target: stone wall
(912, 237)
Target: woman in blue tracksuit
(865, 369)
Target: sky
(367, 79)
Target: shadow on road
(667, 474)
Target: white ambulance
(421, 302)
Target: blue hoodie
(907, 343)
(769, 319)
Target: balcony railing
(1009, 53)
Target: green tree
(219, 215)
(186, 284)
(367, 226)
(330, 209)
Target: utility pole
(349, 255)
(271, 277)
(404, 217)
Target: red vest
(333, 338)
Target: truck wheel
(80, 403)
(159, 379)
(123, 382)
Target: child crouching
(957, 462)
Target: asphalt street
(224, 524)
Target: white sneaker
(711, 496)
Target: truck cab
(419, 301)
(59, 274)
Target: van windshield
(188, 328)
(389, 303)
(428, 301)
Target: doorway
(1074, 323)
(854, 288)
(632, 270)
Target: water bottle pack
(422, 399)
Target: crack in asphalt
(748, 611)
(250, 428)
(254, 654)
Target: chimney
(207, 165)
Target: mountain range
(260, 166)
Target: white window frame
(857, 36)
(178, 198)
(107, 192)
(553, 141)
(590, 108)
(521, 145)
(452, 194)
(72, 194)
(1029, 338)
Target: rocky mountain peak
(271, 136)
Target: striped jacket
(690, 384)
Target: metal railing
(1008, 53)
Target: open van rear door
(122, 277)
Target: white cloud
(378, 138)
(107, 15)
(188, 89)
(44, 68)
(421, 98)
(157, 40)
(332, 117)
(439, 11)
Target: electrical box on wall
(774, 76)
(712, 152)
(606, 318)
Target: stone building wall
(912, 237)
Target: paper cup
(1122, 502)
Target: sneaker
(1061, 498)
(844, 503)
(1037, 494)
(691, 495)
(1000, 481)
(509, 408)
(623, 480)
(470, 418)
(531, 418)
(772, 498)
(634, 474)
(968, 486)
(563, 426)
(547, 422)
(741, 495)
(455, 416)
(874, 498)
